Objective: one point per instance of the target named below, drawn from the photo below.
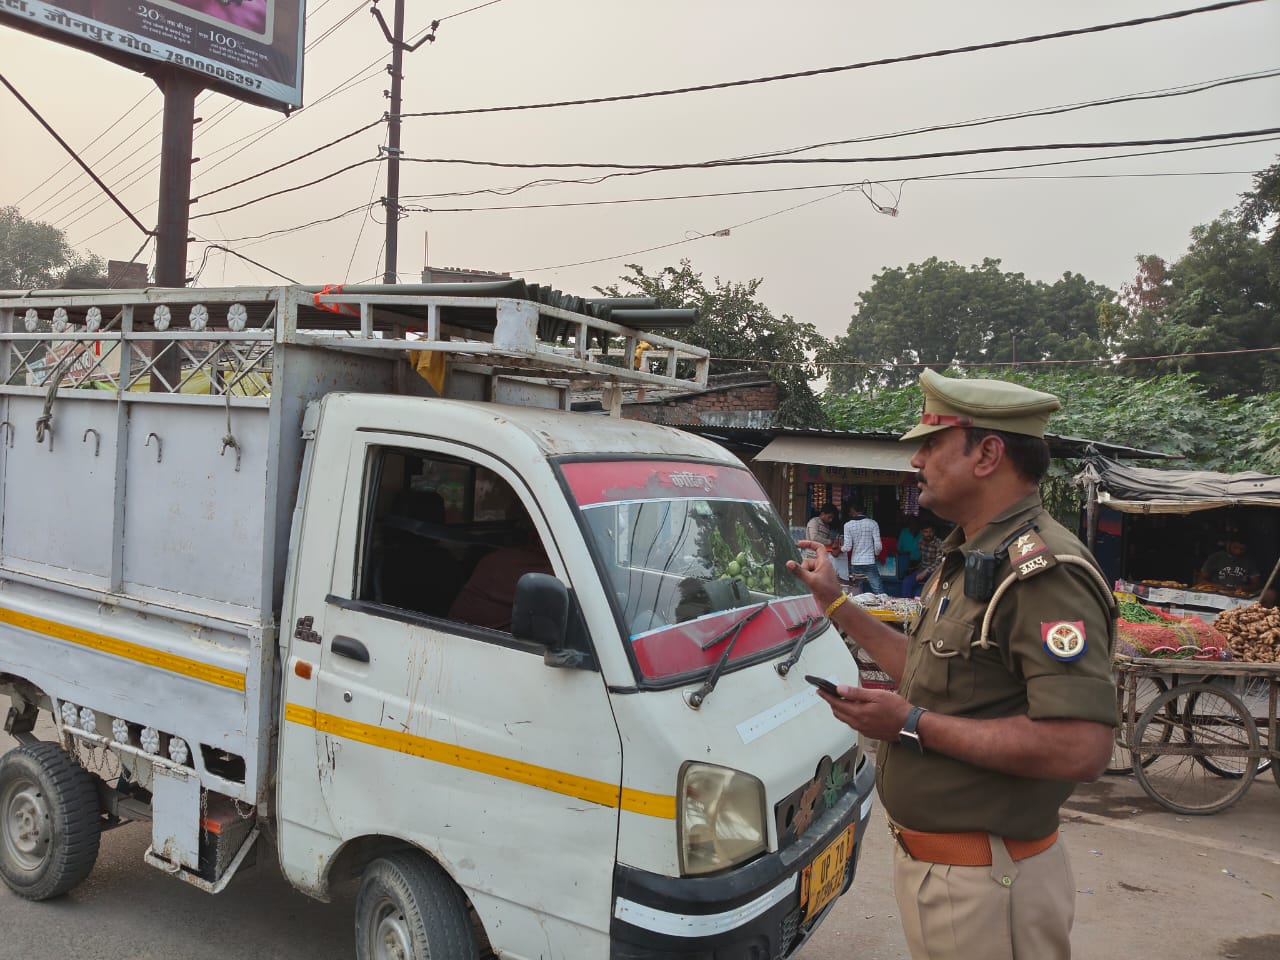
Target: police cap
(991, 404)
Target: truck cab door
(432, 723)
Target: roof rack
(507, 328)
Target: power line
(893, 365)
(261, 266)
(293, 189)
(844, 188)
(286, 163)
(631, 169)
(479, 6)
(676, 243)
(822, 186)
(222, 113)
(71, 150)
(1181, 90)
(83, 150)
(886, 61)
(1025, 166)
(299, 227)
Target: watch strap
(909, 736)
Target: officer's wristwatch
(907, 736)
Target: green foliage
(1259, 208)
(36, 255)
(937, 313)
(1222, 295)
(1168, 414)
(734, 325)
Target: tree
(734, 325)
(1168, 414)
(1261, 206)
(1221, 296)
(36, 255)
(937, 313)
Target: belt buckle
(896, 832)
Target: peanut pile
(1252, 631)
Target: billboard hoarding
(247, 49)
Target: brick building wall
(733, 405)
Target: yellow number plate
(821, 881)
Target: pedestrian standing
(822, 529)
(1006, 697)
(862, 540)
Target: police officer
(1006, 696)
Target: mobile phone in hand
(822, 683)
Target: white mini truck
(337, 570)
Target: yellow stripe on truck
(544, 778)
(219, 676)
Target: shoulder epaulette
(1029, 555)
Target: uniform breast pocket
(946, 670)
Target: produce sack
(1143, 631)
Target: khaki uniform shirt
(1034, 667)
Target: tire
(1177, 731)
(1121, 762)
(408, 908)
(49, 821)
(1253, 693)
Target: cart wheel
(1121, 763)
(1253, 693)
(1174, 735)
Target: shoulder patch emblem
(1030, 555)
(1064, 639)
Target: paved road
(1151, 884)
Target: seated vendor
(1230, 568)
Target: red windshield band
(945, 420)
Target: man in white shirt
(862, 540)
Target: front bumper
(751, 913)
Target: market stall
(1153, 529)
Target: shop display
(1253, 632)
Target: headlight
(721, 820)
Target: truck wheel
(410, 909)
(49, 824)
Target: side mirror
(545, 613)
(541, 610)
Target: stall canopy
(859, 454)
(1151, 490)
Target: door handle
(350, 648)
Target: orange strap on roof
(331, 289)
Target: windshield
(686, 548)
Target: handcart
(1196, 733)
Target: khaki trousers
(1007, 911)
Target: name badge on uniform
(1064, 639)
(1030, 555)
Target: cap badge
(1064, 639)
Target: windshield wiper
(698, 696)
(813, 626)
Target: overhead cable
(675, 243)
(723, 230)
(225, 249)
(85, 149)
(293, 189)
(71, 150)
(893, 365)
(299, 227)
(509, 191)
(885, 61)
(286, 163)
(631, 168)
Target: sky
(815, 249)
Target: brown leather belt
(971, 849)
